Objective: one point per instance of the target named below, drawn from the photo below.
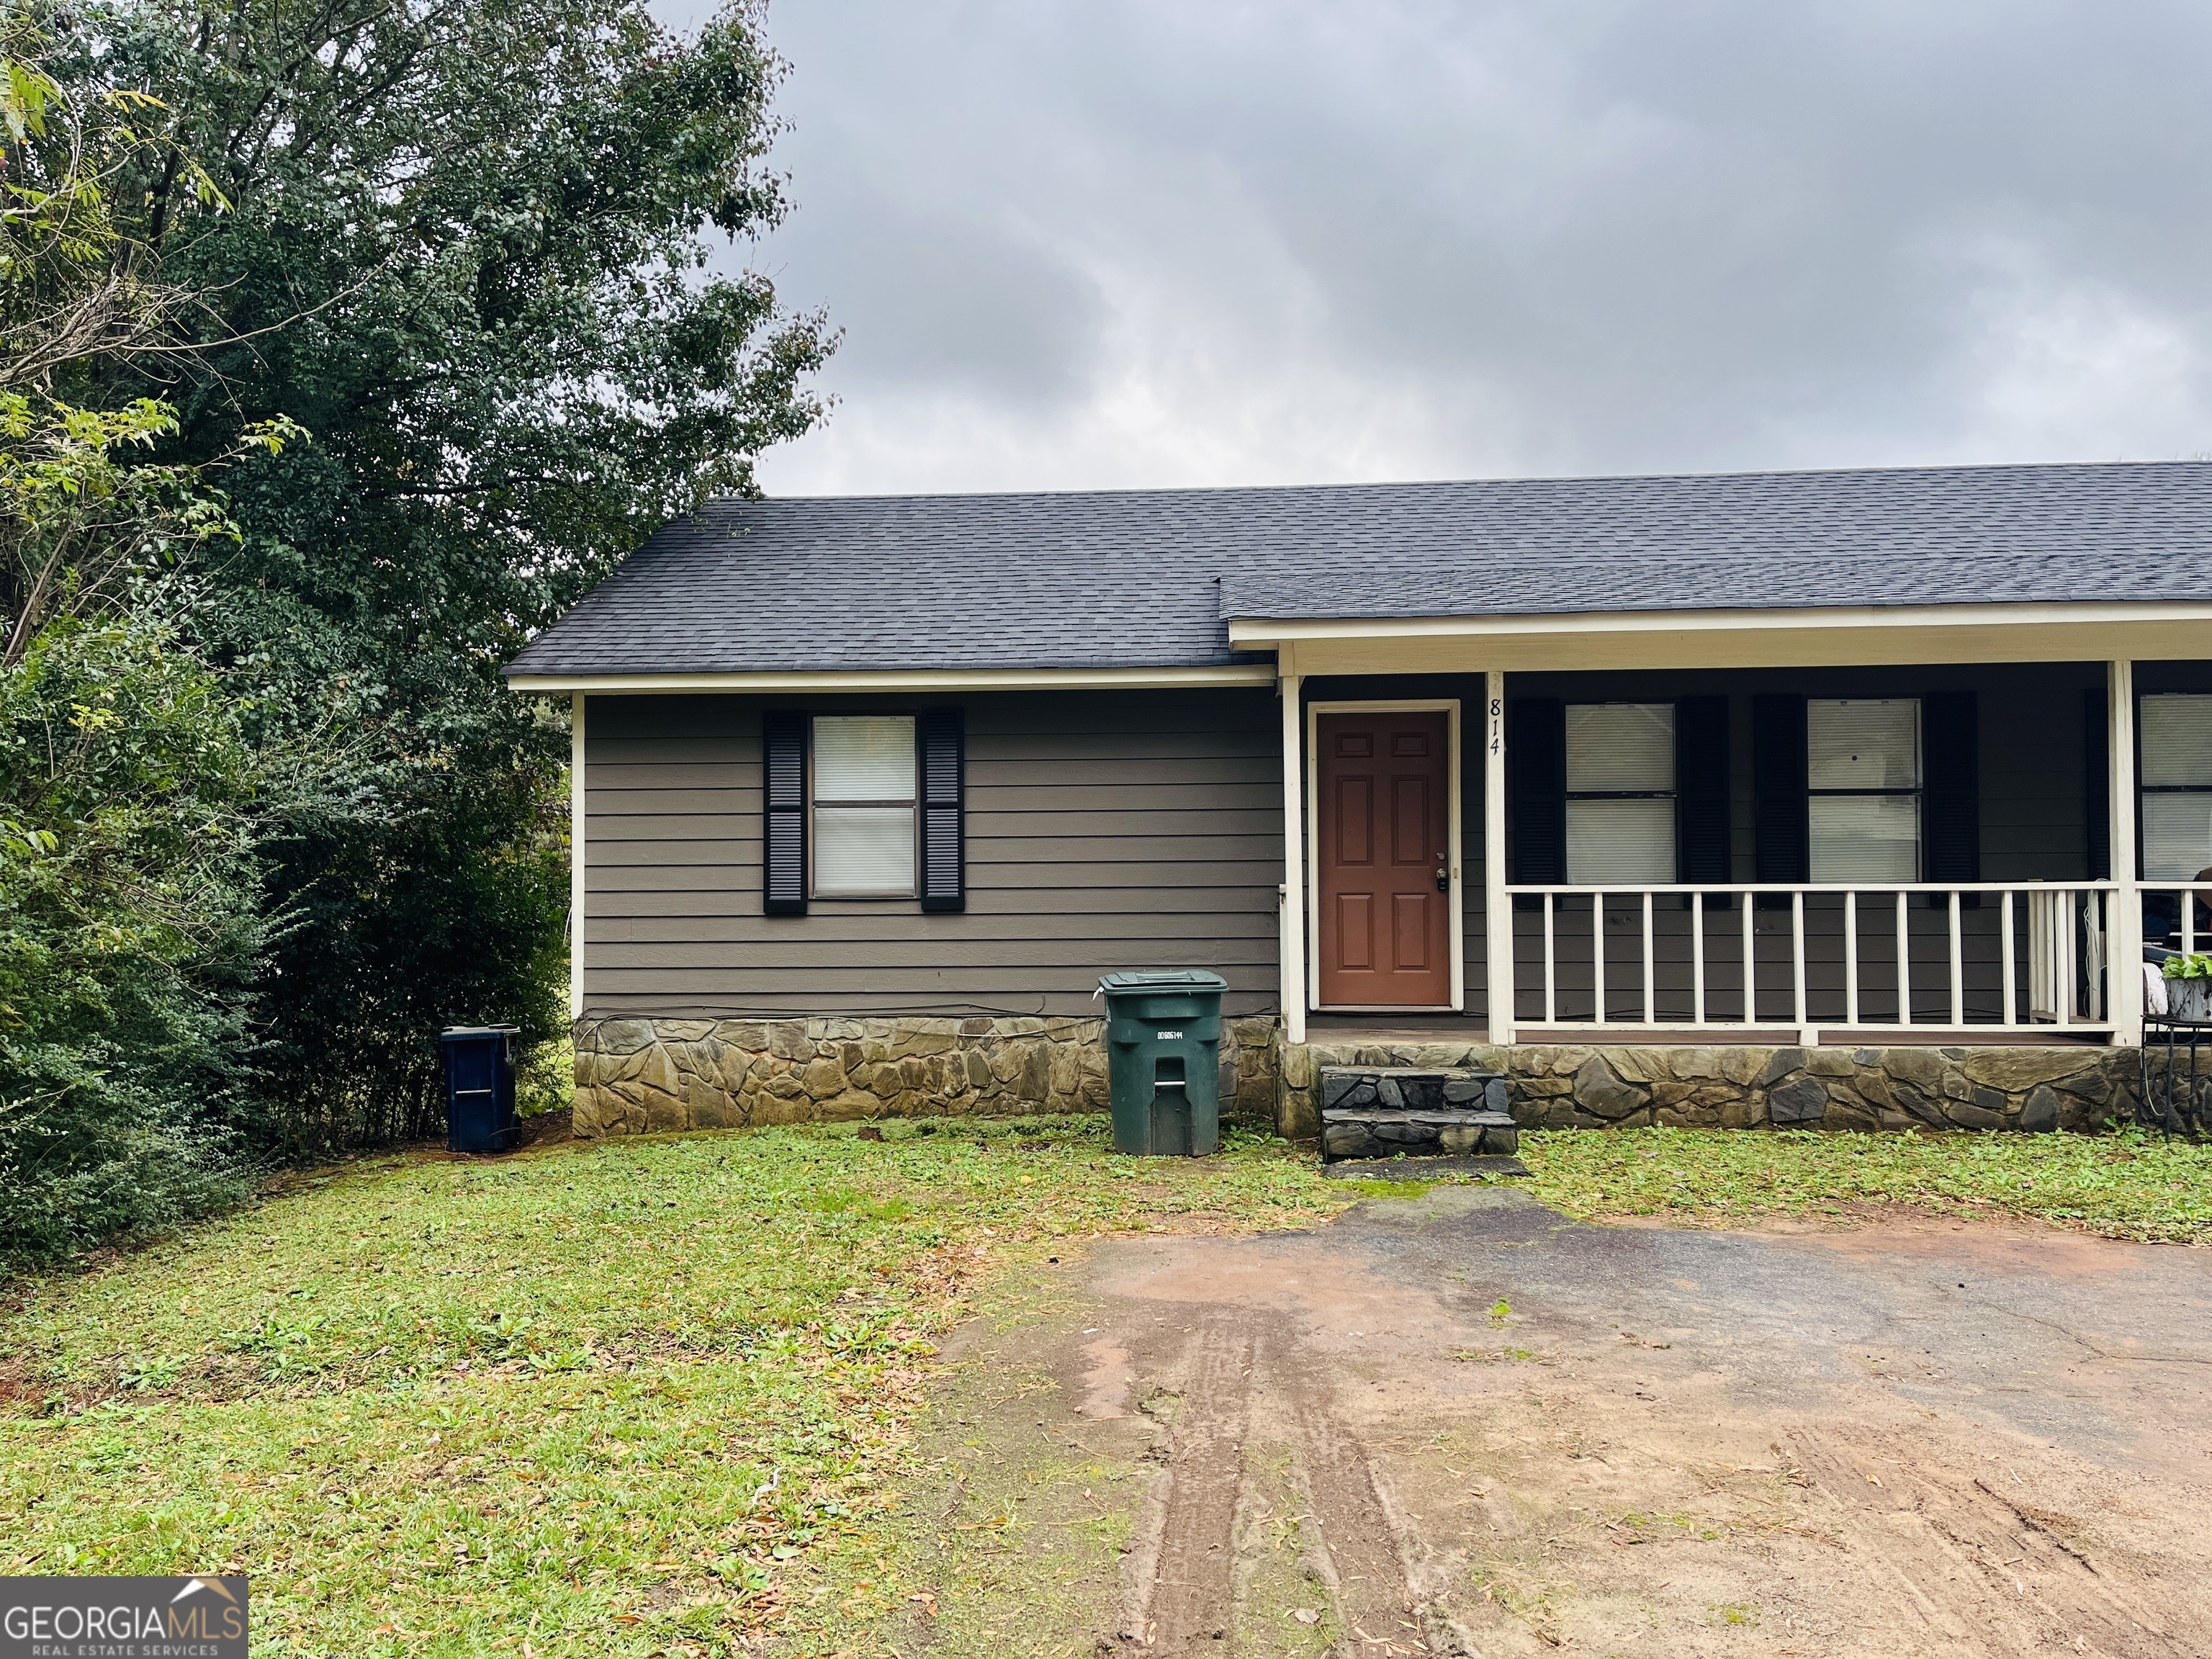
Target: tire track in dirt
(1990, 1573)
(1370, 1549)
(1188, 1569)
(1181, 1604)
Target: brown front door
(1384, 781)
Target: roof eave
(1830, 636)
(893, 680)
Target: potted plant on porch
(2189, 987)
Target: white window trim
(1456, 913)
(1918, 792)
(1672, 794)
(913, 893)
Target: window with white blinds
(1620, 792)
(1863, 771)
(863, 806)
(2176, 734)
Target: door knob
(1443, 882)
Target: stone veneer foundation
(1565, 1086)
(645, 1076)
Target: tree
(85, 515)
(131, 913)
(470, 247)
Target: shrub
(129, 932)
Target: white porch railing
(1870, 958)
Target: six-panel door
(1382, 782)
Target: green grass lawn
(589, 1400)
(2125, 1185)
(611, 1398)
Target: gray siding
(1104, 831)
(1144, 830)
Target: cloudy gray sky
(1148, 242)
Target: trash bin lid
(468, 1033)
(1163, 978)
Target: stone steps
(1412, 1087)
(1371, 1111)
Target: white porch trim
(1292, 948)
(575, 855)
(2123, 928)
(1496, 905)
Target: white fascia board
(931, 679)
(1830, 636)
(1255, 633)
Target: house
(1848, 796)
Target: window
(864, 777)
(1620, 792)
(2177, 786)
(1862, 768)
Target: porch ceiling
(1840, 637)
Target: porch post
(575, 855)
(1497, 905)
(2124, 930)
(1292, 949)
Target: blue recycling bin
(1163, 1060)
(480, 1088)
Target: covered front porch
(1772, 830)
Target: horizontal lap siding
(1105, 831)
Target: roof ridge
(1508, 481)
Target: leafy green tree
(130, 904)
(470, 248)
(86, 513)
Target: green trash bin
(1163, 1060)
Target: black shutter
(1701, 789)
(1536, 765)
(783, 744)
(1778, 781)
(2097, 781)
(1949, 732)
(943, 832)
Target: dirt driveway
(1461, 1424)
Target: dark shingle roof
(1150, 578)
